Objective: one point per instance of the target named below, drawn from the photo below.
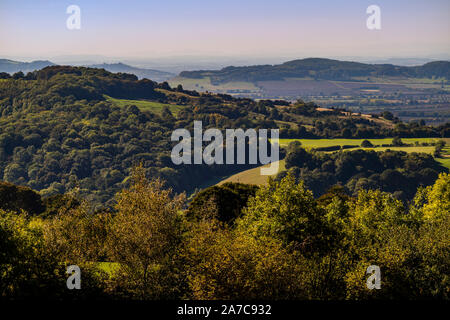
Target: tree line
(398, 172)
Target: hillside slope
(65, 127)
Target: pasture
(145, 105)
(204, 84)
(253, 176)
(320, 143)
(377, 143)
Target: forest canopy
(283, 245)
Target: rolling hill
(319, 68)
(154, 75)
(411, 93)
(63, 126)
(12, 66)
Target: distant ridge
(319, 68)
(11, 66)
(154, 75)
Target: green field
(405, 149)
(253, 176)
(320, 143)
(204, 84)
(145, 105)
(445, 159)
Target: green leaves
(283, 210)
(286, 245)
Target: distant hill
(318, 68)
(154, 75)
(12, 66)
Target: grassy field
(310, 86)
(445, 159)
(445, 162)
(205, 84)
(408, 82)
(320, 143)
(252, 176)
(419, 149)
(144, 105)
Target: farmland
(408, 98)
(293, 88)
(204, 84)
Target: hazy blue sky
(230, 27)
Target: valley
(197, 159)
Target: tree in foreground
(144, 237)
(286, 211)
(222, 263)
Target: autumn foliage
(284, 244)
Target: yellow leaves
(437, 204)
(145, 232)
(19, 227)
(153, 249)
(227, 264)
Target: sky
(260, 28)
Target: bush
(17, 198)
(229, 199)
(397, 142)
(366, 144)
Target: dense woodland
(282, 244)
(58, 131)
(397, 172)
